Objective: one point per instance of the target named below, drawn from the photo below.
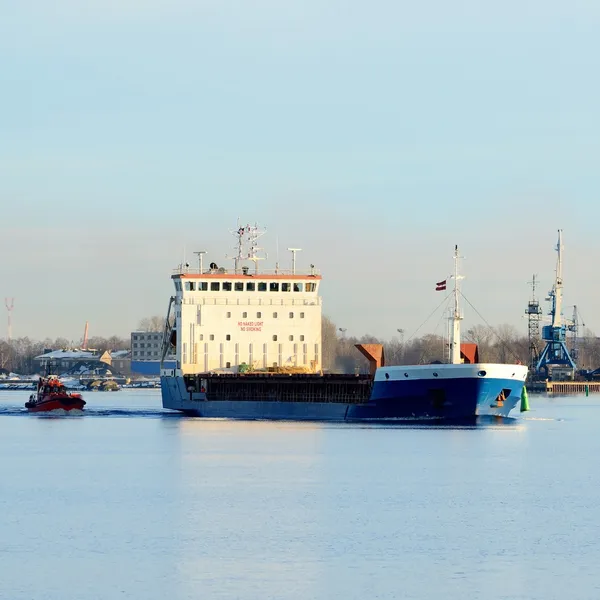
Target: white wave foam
(61, 412)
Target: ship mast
(254, 233)
(456, 317)
(246, 247)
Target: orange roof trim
(250, 276)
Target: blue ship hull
(421, 394)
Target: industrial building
(146, 353)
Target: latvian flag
(440, 286)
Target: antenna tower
(534, 316)
(401, 332)
(10, 304)
(573, 328)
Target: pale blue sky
(372, 135)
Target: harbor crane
(555, 353)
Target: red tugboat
(52, 395)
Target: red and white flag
(440, 286)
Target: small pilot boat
(52, 395)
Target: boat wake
(147, 413)
(60, 412)
(127, 413)
(482, 422)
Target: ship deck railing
(249, 272)
(561, 388)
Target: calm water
(129, 502)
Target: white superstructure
(258, 319)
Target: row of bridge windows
(259, 315)
(248, 286)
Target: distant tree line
(155, 323)
(17, 355)
(496, 344)
(501, 344)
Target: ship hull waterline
(55, 405)
(440, 394)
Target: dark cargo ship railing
(350, 389)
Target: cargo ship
(247, 345)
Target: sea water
(130, 501)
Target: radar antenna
(293, 251)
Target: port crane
(555, 352)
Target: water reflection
(147, 404)
(162, 505)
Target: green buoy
(587, 390)
(524, 400)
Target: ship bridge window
(227, 286)
(286, 287)
(188, 286)
(262, 286)
(239, 286)
(311, 287)
(274, 286)
(202, 286)
(250, 286)
(215, 286)
(298, 287)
